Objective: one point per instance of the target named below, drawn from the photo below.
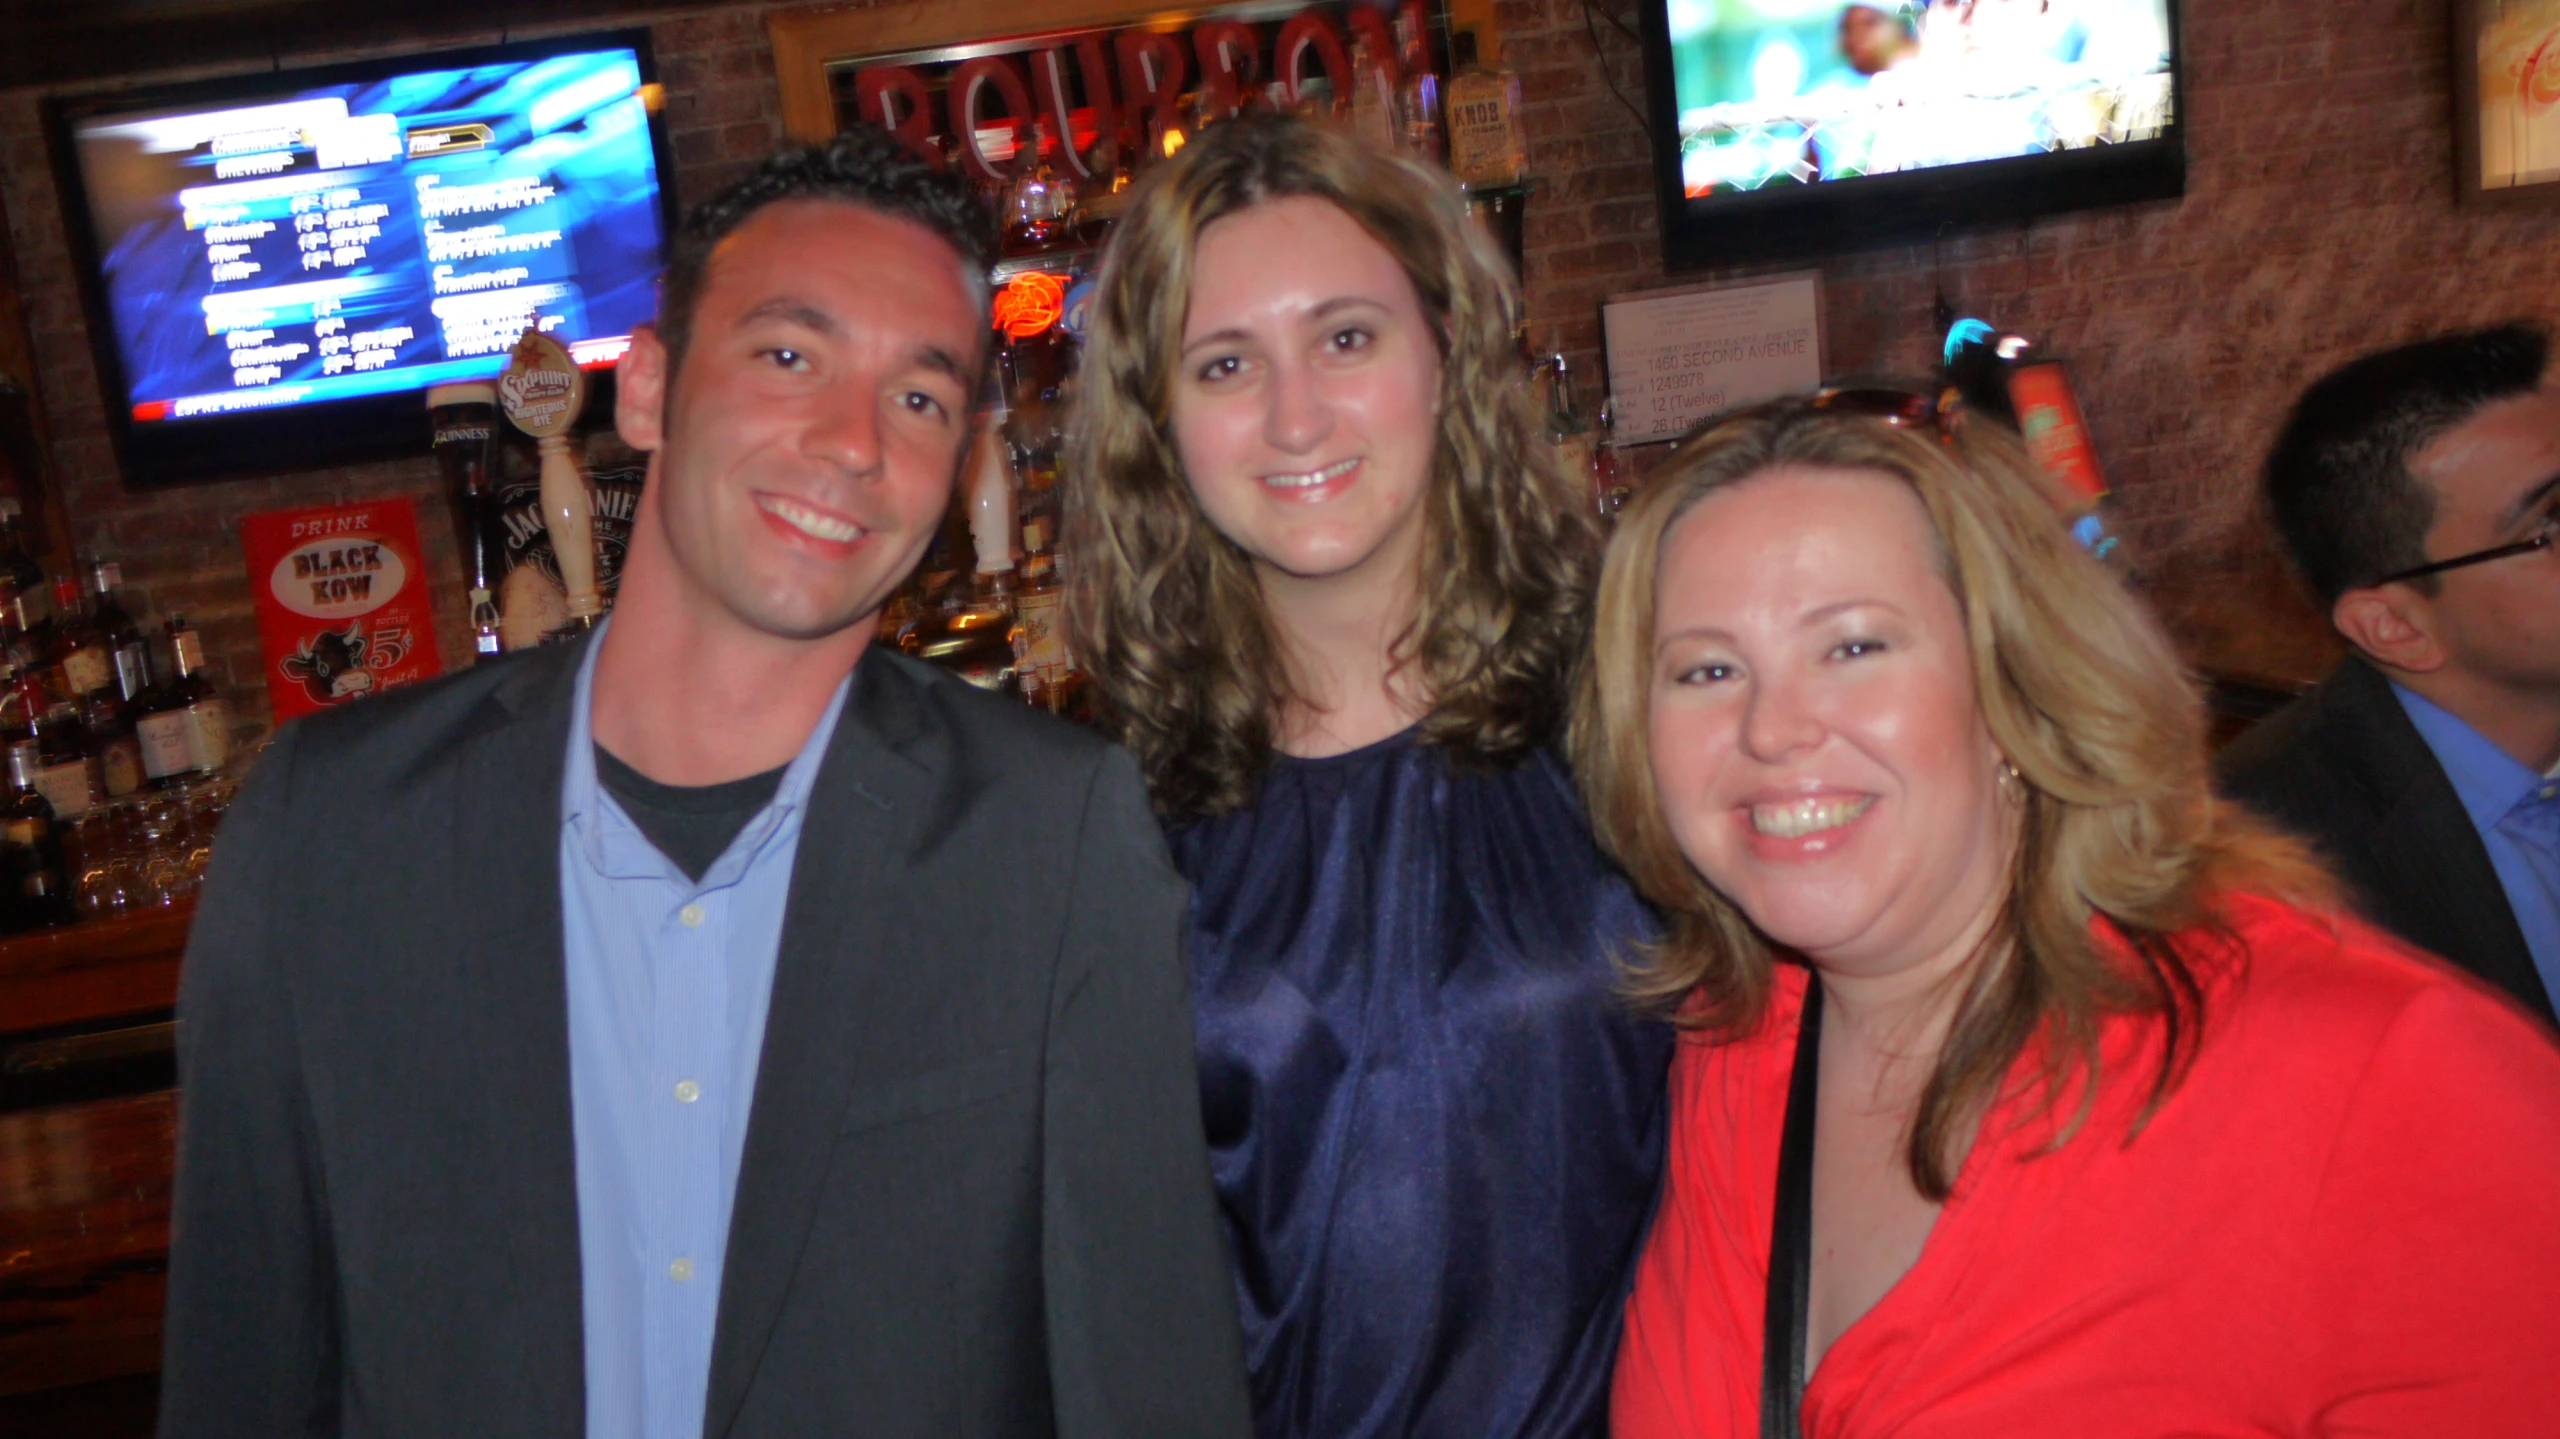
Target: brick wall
(2319, 221)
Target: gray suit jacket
(974, 1200)
(2344, 768)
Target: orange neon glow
(1030, 303)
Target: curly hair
(861, 166)
(1165, 611)
(2081, 691)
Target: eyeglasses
(2541, 541)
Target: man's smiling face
(806, 447)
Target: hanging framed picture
(2506, 66)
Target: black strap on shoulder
(1791, 1239)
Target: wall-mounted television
(275, 265)
(1789, 127)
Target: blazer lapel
(829, 979)
(2435, 857)
(506, 837)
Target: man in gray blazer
(720, 1026)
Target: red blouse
(2346, 1221)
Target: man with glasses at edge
(2418, 490)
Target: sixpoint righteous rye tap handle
(542, 392)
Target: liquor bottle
(466, 424)
(1373, 103)
(1418, 114)
(1567, 430)
(1048, 672)
(65, 772)
(1115, 168)
(35, 880)
(81, 652)
(1612, 479)
(185, 728)
(1487, 149)
(19, 572)
(1039, 202)
(106, 584)
(114, 749)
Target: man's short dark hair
(2338, 481)
(861, 166)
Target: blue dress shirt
(669, 979)
(2518, 815)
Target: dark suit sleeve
(251, 1346)
(1142, 1332)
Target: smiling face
(1306, 398)
(1815, 742)
(805, 453)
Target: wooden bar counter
(85, 1182)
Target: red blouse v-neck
(2346, 1221)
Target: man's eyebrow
(942, 361)
(2526, 503)
(793, 312)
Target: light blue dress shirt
(2518, 815)
(669, 980)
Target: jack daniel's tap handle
(542, 392)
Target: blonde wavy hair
(2082, 693)
(1165, 612)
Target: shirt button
(691, 914)
(680, 1271)
(687, 1091)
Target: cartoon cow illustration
(331, 665)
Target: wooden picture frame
(2506, 96)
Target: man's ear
(2392, 625)
(640, 390)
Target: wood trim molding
(806, 41)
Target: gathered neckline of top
(1405, 738)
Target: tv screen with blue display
(279, 263)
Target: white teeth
(1312, 478)
(1807, 816)
(808, 521)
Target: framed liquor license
(2506, 65)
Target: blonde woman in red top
(2027, 1089)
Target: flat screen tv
(275, 265)
(1788, 127)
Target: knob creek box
(342, 603)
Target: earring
(2013, 785)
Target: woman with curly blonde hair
(1332, 591)
(2028, 1089)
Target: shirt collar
(587, 817)
(2489, 781)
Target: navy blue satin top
(1436, 1129)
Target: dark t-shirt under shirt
(690, 824)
